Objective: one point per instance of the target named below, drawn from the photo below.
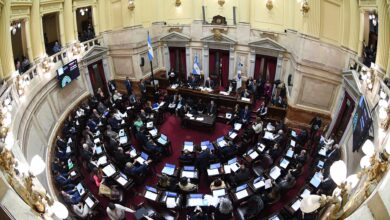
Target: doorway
(177, 59)
(84, 21)
(51, 33)
(347, 107)
(19, 46)
(97, 77)
(265, 68)
(219, 67)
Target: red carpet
(177, 135)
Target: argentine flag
(196, 69)
(150, 49)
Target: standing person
(142, 87)
(267, 92)
(117, 212)
(112, 86)
(128, 86)
(315, 124)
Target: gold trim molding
(218, 33)
(175, 29)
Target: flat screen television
(361, 124)
(67, 73)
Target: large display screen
(68, 72)
(361, 124)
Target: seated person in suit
(296, 170)
(274, 151)
(63, 180)
(133, 99)
(224, 209)
(287, 182)
(114, 123)
(111, 133)
(333, 154)
(61, 143)
(92, 125)
(117, 96)
(187, 157)
(245, 94)
(136, 169)
(198, 214)
(254, 207)
(236, 114)
(185, 110)
(301, 158)
(86, 152)
(273, 195)
(211, 108)
(200, 106)
(172, 77)
(279, 137)
(209, 83)
(180, 104)
(245, 115)
(192, 81)
(71, 197)
(327, 186)
(153, 147)
(241, 176)
(228, 151)
(173, 100)
(302, 137)
(217, 184)
(120, 157)
(167, 183)
(186, 186)
(262, 111)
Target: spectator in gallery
(56, 47)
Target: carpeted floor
(177, 135)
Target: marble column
(68, 22)
(27, 31)
(74, 20)
(279, 66)
(205, 66)
(6, 53)
(252, 60)
(382, 54)
(102, 15)
(38, 47)
(232, 70)
(361, 34)
(62, 27)
(197, 9)
(188, 60)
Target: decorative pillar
(74, 19)
(205, 66)
(243, 11)
(102, 15)
(252, 60)
(188, 59)
(197, 9)
(38, 47)
(314, 18)
(279, 66)
(68, 22)
(361, 34)
(62, 28)
(232, 70)
(382, 54)
(95, 19)
(27, 32)
(6, 54)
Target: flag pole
(151, 70)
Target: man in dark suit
(242, 175)
(135, 169)
(63, 181)
(112, 86)
(245, 115)
(315, 126)
(211, 109)
(228, 151)
(61, 143)
(301, 158)
(209, 83)
(128, 86)
(202, 161)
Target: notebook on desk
(293, 133)
(305, 192)
(295, 206)
(122, 133)
(241, 194)
(121, 180)
(80, 189)
(315, 181)
(292, 143)
(232, 134)
(275, 172)
(153, 132)
(169, 169)
(259, 184)
(219, 192)
(284, 163)
(149, 124)
(290, 153)
(261, 147)
(237, 126)
(188, 174)
(123, 140)
(150, 195)
(98, 150)
(212, 172)
(102, 160)
(253, 155)
(90, 203)
(109, 170)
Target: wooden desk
(220, 100)
(276, 113)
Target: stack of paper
(293, 143)
(121, 180)
(232, 135)
(241, 194)
(253, 155)
(199, 118)
(296, 205)
(109, 170)
(237, 126)
(150, 195)
(89, 202)
(259, 184)
(275, 172)
(153, 132)
(222, 143)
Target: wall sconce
(131, 5)
(177, 3)
(269, 5)
(221, 2)
(305, 8)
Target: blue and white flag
(150, 49)
(196, 69)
